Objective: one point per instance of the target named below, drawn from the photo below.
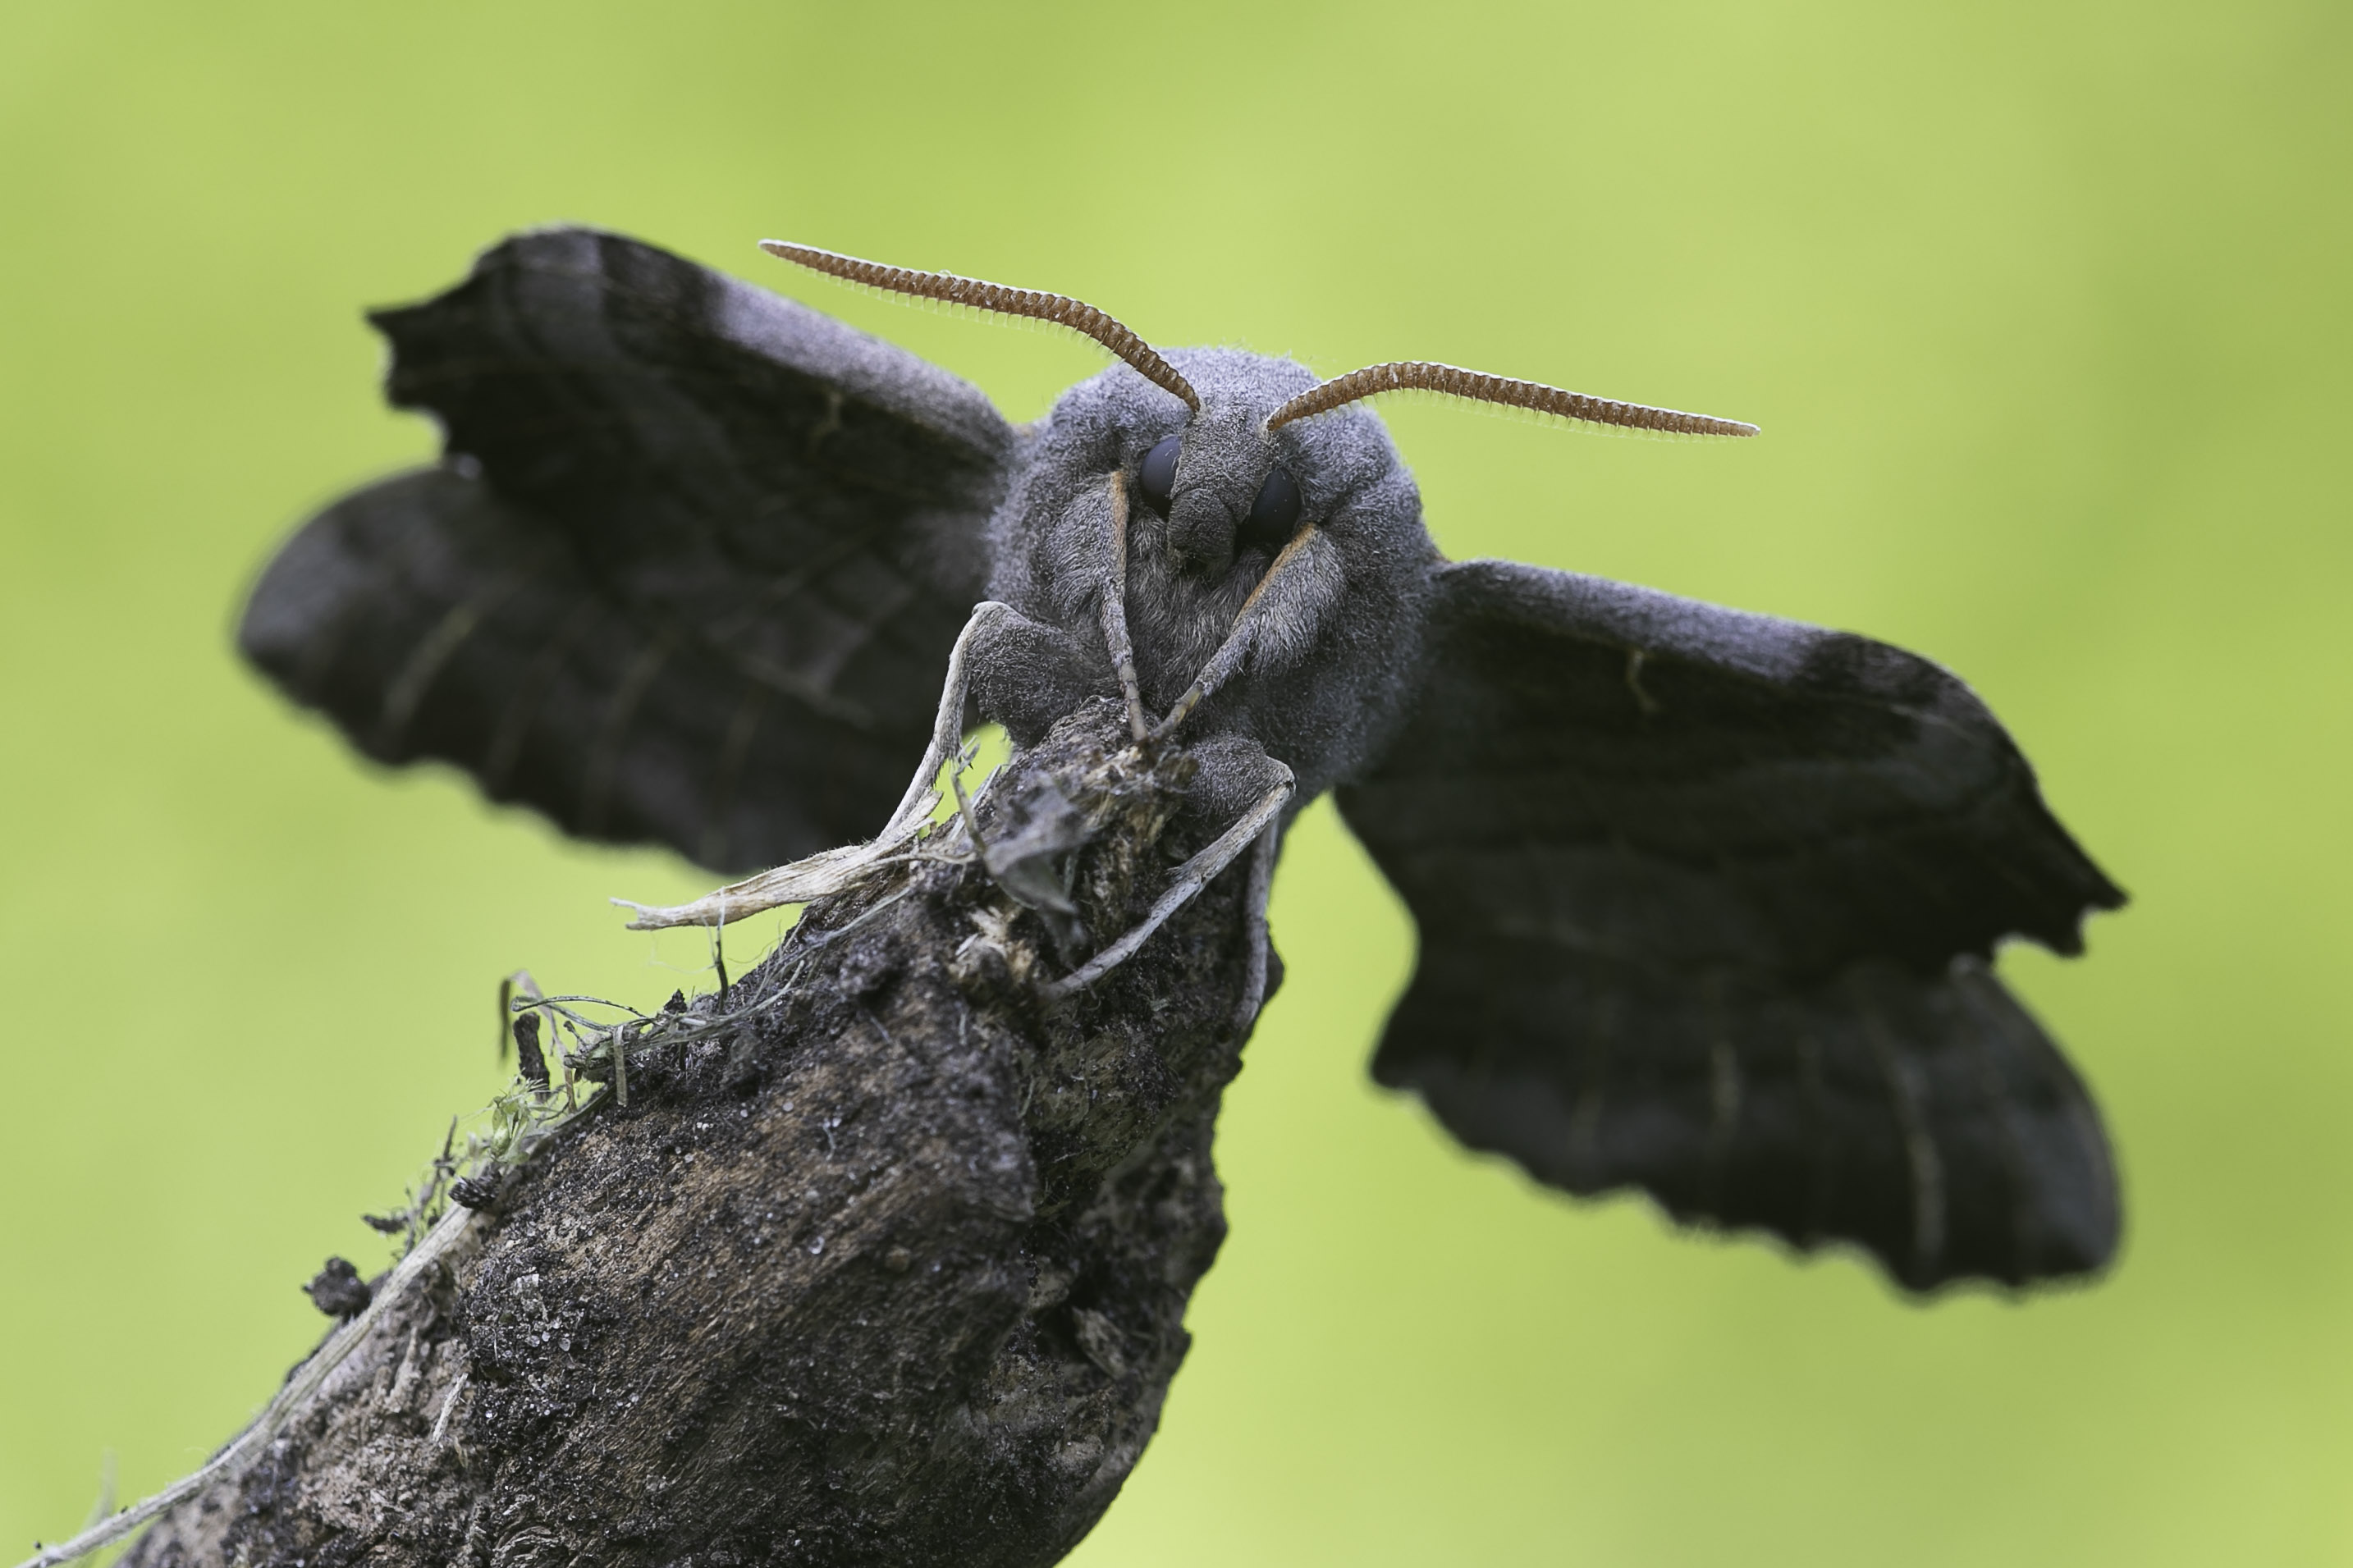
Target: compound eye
(1157, 477)
(1272, 516)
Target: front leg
(1027, 675)
(1232, 769)
(1295, 560)
(1261, 960)
(1114, 610)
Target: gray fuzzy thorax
(1337, 633)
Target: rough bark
(884, 1260)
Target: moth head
(1230, 491)
(1205, 468)
(1252, 449)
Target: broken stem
(295, 1393)
(830, 871)
(947, 728)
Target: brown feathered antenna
(1058, 309)
(1419, 375)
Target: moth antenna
(1058, 309)
(1420, 375)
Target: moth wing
(688, 570)
(1706, 902)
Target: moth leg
(830, 871)
(1028, 676)
(1236, 647)
(1191, 876)
(947, 724)
(1254, 929)
(1114, 610)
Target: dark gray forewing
(1705, 901)
(689, 573)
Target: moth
(1706, 900)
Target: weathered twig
(885, 1262)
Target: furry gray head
(1278, 532)
(1317, 602)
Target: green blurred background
(2042, 308)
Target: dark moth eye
(1272, 516)
(1157, 477)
